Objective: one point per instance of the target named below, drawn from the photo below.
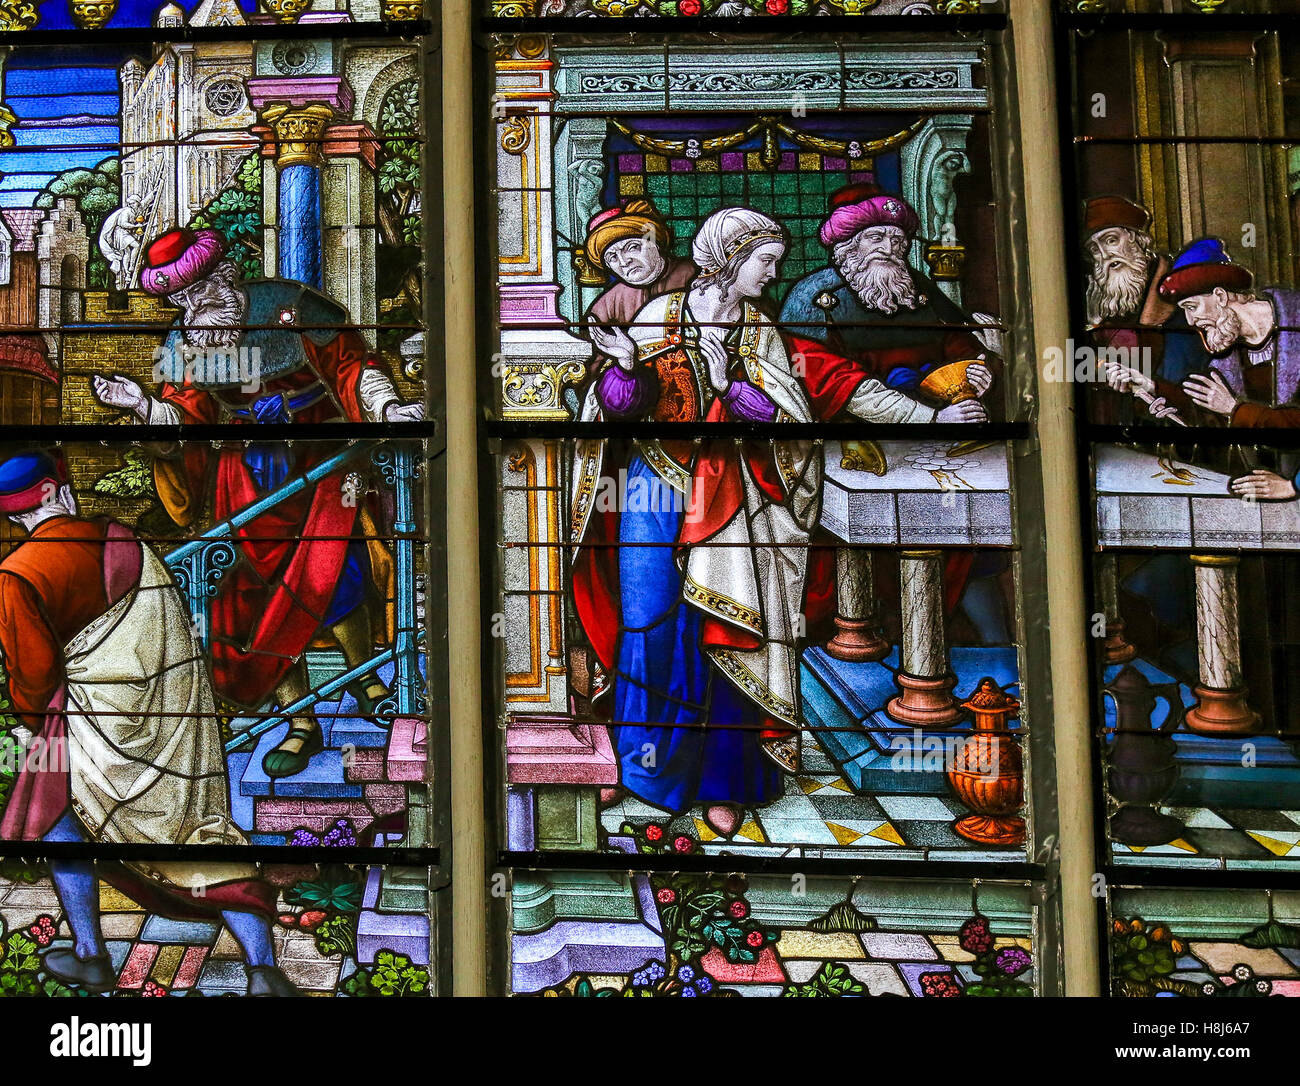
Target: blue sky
(67, 104)
(55, 15)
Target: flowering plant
(997, 967)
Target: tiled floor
(172, 957)
(1223, 836)
(820, 816)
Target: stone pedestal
(857, 636)
(926, 700)
(1220, 707)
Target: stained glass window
(219, 556)
(760, 410)
(1184, 259)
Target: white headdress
(728, 234)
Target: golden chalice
(950, 384)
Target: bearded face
(213, 308)
(1212, 316)
(1121, 266)
(874, 265)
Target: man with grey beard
(312, 564)
(1253, 379)
(878, 312)
(1124, 307)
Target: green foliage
(832, 979)
(1272, 934)
(236, 212)
(19, 965)
(393, 975)
(97, 192)
(338, 890)
(843, 917)
(398, 175)
(400, 113)
(337, 934)
(134, 480)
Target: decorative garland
(768, 127)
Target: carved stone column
(857, 636)
(926, 700)
(1116, 649)
(1221, 707)
(299, 135)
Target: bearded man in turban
(1253, 376)
(871, 307)
(304, 568)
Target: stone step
(848, 699)
(1211, 770)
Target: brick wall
(86, 350)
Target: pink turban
(883, 210)
(180, 258)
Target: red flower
(754, 938)
(939, 985)
(42, 930)
(777, 7)
(975, 936)
(153, 990)
(654, 833)
(666, 896)
(312, 919)
(688, 7)
(683, 844)
(738, 909)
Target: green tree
(398, 180)
(97, 193)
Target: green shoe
(366, 704)
(284, 763)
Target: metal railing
(199, 565)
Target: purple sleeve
(626, 394)
(749, 402)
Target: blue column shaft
(300, 233)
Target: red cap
(168, 247)
(855, 194)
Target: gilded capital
(299, 132)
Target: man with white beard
(311, 564)
(1124, 307)
(1253, 378)
(874, 309)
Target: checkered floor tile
(821, 815)
(1235, 835)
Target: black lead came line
(811, 866)
(375, 30)
(265, 854)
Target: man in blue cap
(115, 754)
(1253, 378)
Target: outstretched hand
(1211, 392)
(615, 343)
(1261, 485)
(122, 393)
(963, 411)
